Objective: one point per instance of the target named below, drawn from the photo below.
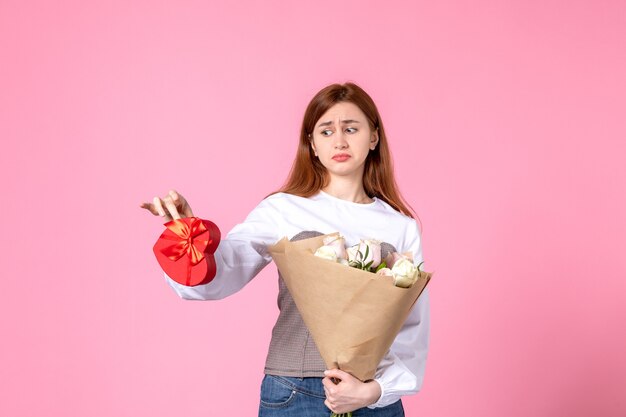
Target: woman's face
(342, 140)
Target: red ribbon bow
(185, 250)
(185, 242)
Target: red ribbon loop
(185, 242)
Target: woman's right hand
(172, 206)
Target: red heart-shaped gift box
(185, 250)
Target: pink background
(507, 124)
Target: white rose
(366, 255)
(408, 255)
(373, 253)
(386, 272)
(352, 253)
(392, 258)
(326, 252)
(338, 243)
(404, 273)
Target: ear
(374, 140)
(313, 147)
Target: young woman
(341, 181)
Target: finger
(158, 206)
(329, 405)
(187, 210)
(327, 383)
(150, 207)
(175, 197)
(336, 373)
(169, 205)
(330, 392)
(179, 200)
(181, 203)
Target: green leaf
(381, 266)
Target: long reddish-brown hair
(308, 175)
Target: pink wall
(506, 119)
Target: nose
(340, 140)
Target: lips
(341, 157)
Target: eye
(354, 129)
(326, 130)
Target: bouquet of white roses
(352, 313)
(366, 255)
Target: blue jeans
(304, 397)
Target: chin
(343, 172)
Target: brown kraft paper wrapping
(353, 315)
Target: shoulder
(410, 230)
(276, 197)
(407, 221)
(280, 203)
(280, 200)
(285, 200)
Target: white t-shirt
(242, 254)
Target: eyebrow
(343, 121)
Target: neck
(347, 190)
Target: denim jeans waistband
(308, 385)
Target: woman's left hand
(350, 393)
